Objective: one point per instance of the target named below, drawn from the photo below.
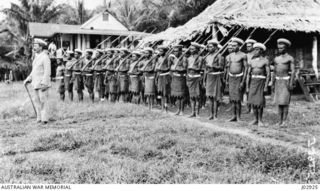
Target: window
(105, 16)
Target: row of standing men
(183, 76)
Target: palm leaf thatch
(287, 15)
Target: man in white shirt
(40, 80)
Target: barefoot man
(40, 80)
(213, 77)
(250, 53)
(178, 84)
(237, 62)
(283, 81)
(258, 76)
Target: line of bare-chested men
(183, 75)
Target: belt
(89, 74)
(123, 75)
(59, 78)
(177, 74)
(258, 76)
(283, 78)
(150, 77)
(215, 73)
(164, 74)
(99, 73)
(77, 73)
(194, 75)
(68, 75)
(134, 76)
(236, 75)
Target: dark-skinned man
(163, 77)
(178, 84)
(250, 53)
(194, 79)
(135, 87)
(68, 80)
(236, 78)
(111, 76)
(148, 66)
(99, 74)
(123, 77)
(258, 76)
(283, 81)
(78, 78)
(60, 78)
(107, 60)
(213, 77)
(89, 80)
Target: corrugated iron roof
(49, 29)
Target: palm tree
(33, 11)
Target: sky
(89, 4)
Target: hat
(163, 47)
(78, 51)
(250, 41)
(260, 45)
(197, 45)
(40, 42)
(148, 49)
(89, 51)
(136, 52)
(177, 46)
(69, 52)
(237, 40)
(213, 41)
(284, 41)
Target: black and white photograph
(108, 94)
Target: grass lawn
(126, 143)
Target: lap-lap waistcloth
(194, 85)
(163, 85)
(123, 83)
(78, 82)
(178, 86)
(113, 85)
(256, 93)
(135, 84)
(61, 88)
(282, 93)
(68, 83)
(98, 83)
(89, 83)
(149, 84)
(214, 86)
(235, 93)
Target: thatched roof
(288, 15)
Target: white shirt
(41, 71)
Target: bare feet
(279, 123)
(254, 122)
(192, 115)
(284, 124)
(178, 112)
(260, 124)
(211, 118)
(232, 119)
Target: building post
(315, 56)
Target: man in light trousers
(40, 80)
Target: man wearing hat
(123, 77)
(107, 64)
(213, 79)
(258, 76)
(194, 78)
(283, 80)
(178, 84)
(236, 78)
(78, 79)
(88, 72)
(40, 80)
(112, 77)
(147, 67)
(60, 78)
(163, 77)
(135, 86)
(68, 74)
(250, 53)
(99, 74)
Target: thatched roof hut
(286, 15)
